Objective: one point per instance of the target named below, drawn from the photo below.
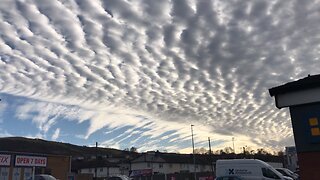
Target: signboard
(31, 161)
(5, 160)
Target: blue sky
(138, 73)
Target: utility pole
(244, 151)
(234, 150)
(194, 157)
(211, 159)
(96, 166)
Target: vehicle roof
(242, 161)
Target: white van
(249, 169)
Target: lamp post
(211, 159)
(194, 158)
(234, 151)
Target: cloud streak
(122, 64)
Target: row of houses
(21, 165)
(155, 163)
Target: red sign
(5, 160)
(32, 161)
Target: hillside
(39, 146)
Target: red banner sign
(5, 160)
(31, 161)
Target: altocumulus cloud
(149, 68)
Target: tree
(262, 151)
(201, 151)
(133, 149)
(280, 153)
(228, 150)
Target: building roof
(308, 82)
(82, 164)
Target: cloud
(172, 62)
(3, 107)
(4, 133)
(56, 134)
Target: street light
(194, 158)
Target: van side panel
(247, 171)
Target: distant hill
(40, 146)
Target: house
(106, 165)
(98, 168)
(169, 163)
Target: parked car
(118, 177)
(229, 178)
(287, 172)
(43, 177)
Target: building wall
(309, 165)
(102, 171)
(168, 168)
(139, 165)
(59, 166)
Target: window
(148, 164)
(160, 165)
(269, 174)
(281, 171)
(101, 169)
(170, 165)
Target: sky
(139, 73)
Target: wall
(59, 166)
(311, 165)
(306, 129)
(168, 168)
(102, 171)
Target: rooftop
(308, 82)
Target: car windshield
(281, 171)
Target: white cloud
(56, 134)
(173, 62)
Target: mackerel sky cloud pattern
(139, 72)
